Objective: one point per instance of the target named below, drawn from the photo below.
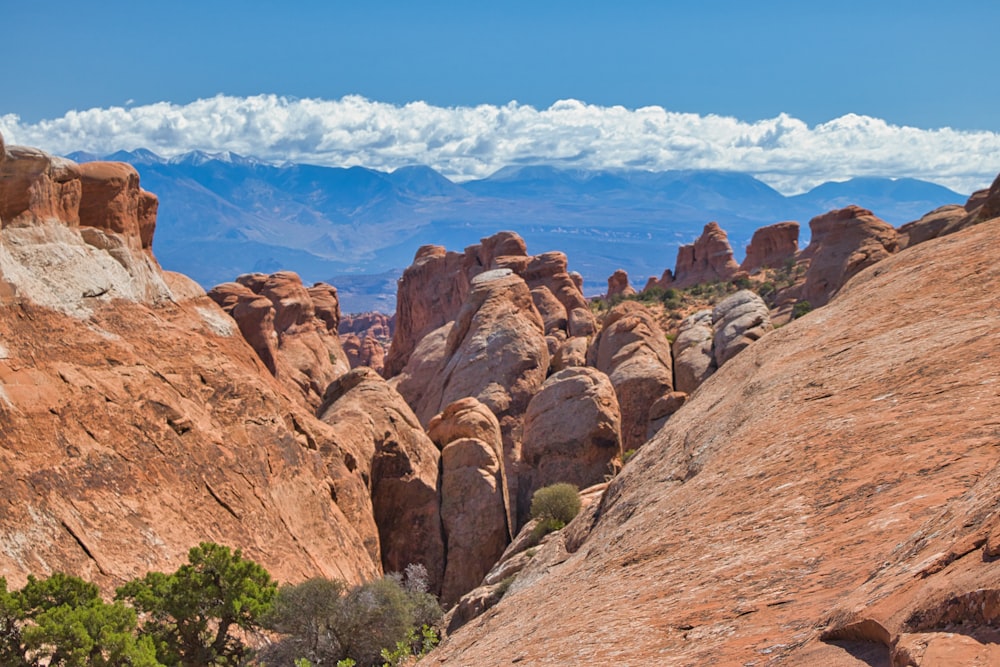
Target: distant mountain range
(224, 214)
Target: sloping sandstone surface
(135, 420)
(828, 497)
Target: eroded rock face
(326, 305)
(618, 284)
(633, 352)
(399, 463)
(708, 259)
(843, 243)
(364, 351)
(772, 246)
(572, 432)
(278, 317)
(430, 293)
(375, 325)
(89, 226)
(496, 350)
(739, 320)
(694, 360)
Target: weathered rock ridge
(73, 236)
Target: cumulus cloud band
(472, 142)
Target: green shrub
(800, 309)
(193, 614)
(651, 294)
(63, 621)
(555, 505)
(766, 289)
(376, 623)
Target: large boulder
(572, 432)
(632, 350)
(400, 464)
(694, 360)
(738, 320)
(708, 259)
(771, 246)
(475, 511)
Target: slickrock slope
(135, 421)
(132, 436)
(839, 476)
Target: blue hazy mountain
(225, 214)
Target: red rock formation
(36, 187)
(983, 205)
(399, 462)
(990, 208)
(93, 242)
(111, 200)
(708, 259)
(474, 503)
(363, 352)
(135, 428)
(572, 432)
(277, 316)
(694, 361)
(374, 325)
(930, 226)
(738, 321)
(843, 243)
(633, 352)
(326, 305)
(618, 285)
(432, 289)
(771, 246)
(430, 293)
(830, 494)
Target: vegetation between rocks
(554, 506)
(213, 611)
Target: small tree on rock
(192, 614)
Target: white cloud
(473, 142)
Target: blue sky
(925, 65)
